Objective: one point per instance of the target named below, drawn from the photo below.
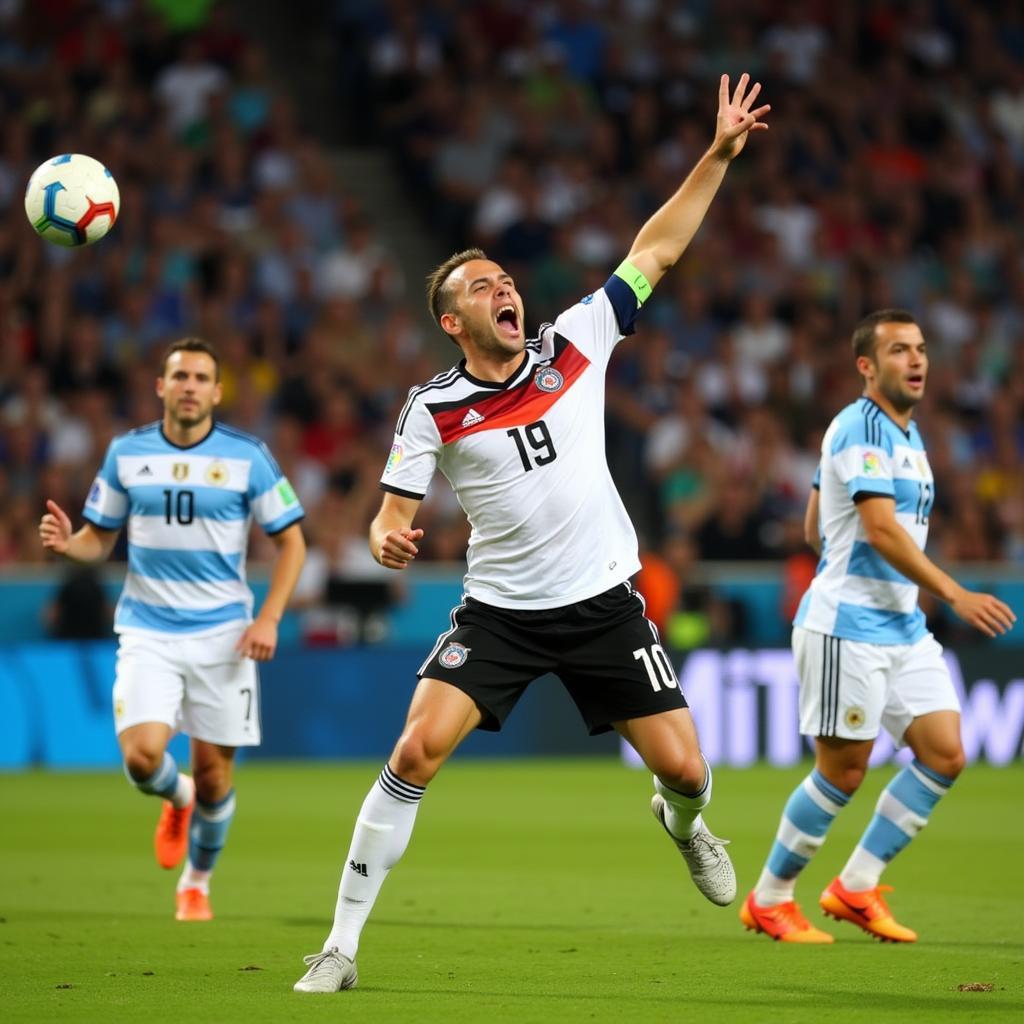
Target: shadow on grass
(911, 1004)
(446, 925)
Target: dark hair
(439, 295)
(191, 345)
(864, 332)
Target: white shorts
(202, 687)
(851, 689)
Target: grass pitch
(532, 891)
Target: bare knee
(683, 771)
(846, 777)
(946, 762)
(418, 755)
(213, 781)
(142, 759)
(844, 763)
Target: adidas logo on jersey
(145, 471)
(472, 418)
(907, 463)
(359, 869)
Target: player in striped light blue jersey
(187, 489)
(863, 653)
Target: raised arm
(665, 236)
(392, 539)
(884, 533)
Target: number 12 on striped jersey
(659, 668)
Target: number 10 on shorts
(659, 668)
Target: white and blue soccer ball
(72, 200)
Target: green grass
(532, 891)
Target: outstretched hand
(735, 118)
(55, 528)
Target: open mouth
(507, 319)
(916, 381)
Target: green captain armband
(638, 284)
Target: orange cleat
(170, 840)
(192, 905)
(783, 922)
(867, 910)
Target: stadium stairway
(303, 51)
(369, 176)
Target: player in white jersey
(518, 429)
(863, 654)
(187, 488)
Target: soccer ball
(72, 200)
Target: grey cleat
(710, 868)
(329, 971)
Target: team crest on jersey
(549, 379)
(118, 709)
(922, 465)
(394, 458)
(854, 717)
(454, 655)
(216, 474)
(872, 465)
(180, 470)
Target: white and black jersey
(526, 459)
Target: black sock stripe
(401, 782)
(399, 788)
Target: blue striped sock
(163, 782)
(809, 812)
(209, 831)
(902, 811)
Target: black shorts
(604, 650)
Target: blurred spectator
(891, 175)
(185, 87)
(80, 609)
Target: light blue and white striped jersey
(856, 594)
(188, 512)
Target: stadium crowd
(545, 132)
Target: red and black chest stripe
(517, 406)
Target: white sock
(381, 835)
(193, 878)
(770, 891)
(184, 791)
(682, 810)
